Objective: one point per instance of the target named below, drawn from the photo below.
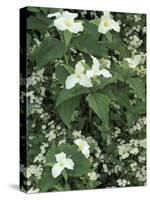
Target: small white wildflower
(92, 176)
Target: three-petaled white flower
(107, 24)
(133, 62)
(83, 147)
(62, 163)
(96, 71)
(78, 77)
(65, 21)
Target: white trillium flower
(134, 62)
(78, 77)
(107, 24)
(62, 163)
(65, 21)
(96, 71)
(83, 147)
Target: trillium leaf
(67, 37)
(50, 156)
(108, 35)
(99, 103)
(47, 182)
(68, 94)
(49, 50)
(91, 28)
(138, 87)
(69, 68)
(116, 45)
(67, 108)
(38, 22)
(89, 45)
(61, 73)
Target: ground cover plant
(86, 100)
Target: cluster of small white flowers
(41, 156)
(123, 182)
(133, 166)
(34, 170)
(93, 176)
(135, 42)
(131, 148)
(141, 174)
(32, 191)
(116, 132)
(52, 130)
(35, 97)
(139, 125)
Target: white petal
(60, 156)
(79, 68)
(57, 14)
(89, 73)
(114, 25)
(137, 59)
(86, 151)
(85, 81)
(107, 14)
(96, 64)
(71, 81)
(70, 15)
(69, 164)
(56, 170)
(105, 73)
(77, 141)
(76, 27)
(59, 23)
(83, 146)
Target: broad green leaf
(68, 94)
(50, 156)
(138, 108)
(108, 35)
(67, 37)
(138, 87)
(69, 68)
(117, 45)
(134, 111)
(131, 119)
(90, 45)
(47, 182)
(91, 28)
(38, 22)
(95, 21)
(67, 108)
(123, 99)
(61, 73)
(99, 103)
(49, 50)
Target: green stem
(66, 59)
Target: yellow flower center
(81, 147)
(68, 22)
(78, 76)
(61, 163)
(106, 23)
